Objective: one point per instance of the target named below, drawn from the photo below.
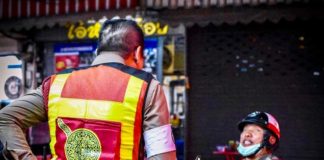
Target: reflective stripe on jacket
(96, 112)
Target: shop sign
(73, 55)
(151, 55)
(82, 31)
(151, 28)
(11, 80)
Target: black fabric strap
(132, 71)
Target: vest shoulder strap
(132, 71)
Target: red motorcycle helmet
(264, 120)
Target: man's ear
(139, 57)
(139, 52)
(272, 140)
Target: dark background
(235, 70)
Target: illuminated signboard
(151, 55)
(80, 31)
(73, 55)
(83, 31)
(152, 28)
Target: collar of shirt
(108, 57)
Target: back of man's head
(120, 35)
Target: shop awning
(174, 4)
(247, 15)
(13, 9)
(231, 12)
(18, 15)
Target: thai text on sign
(83, 31)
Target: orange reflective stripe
(105, 88)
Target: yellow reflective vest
(96, 112)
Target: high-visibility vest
(97, 112)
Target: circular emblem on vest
(81, 144)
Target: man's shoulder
(130, 70)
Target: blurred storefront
(56, 35)
(227, 49)
(11, 65)
(53, 24)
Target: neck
(106, 57)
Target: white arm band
(159, 140)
